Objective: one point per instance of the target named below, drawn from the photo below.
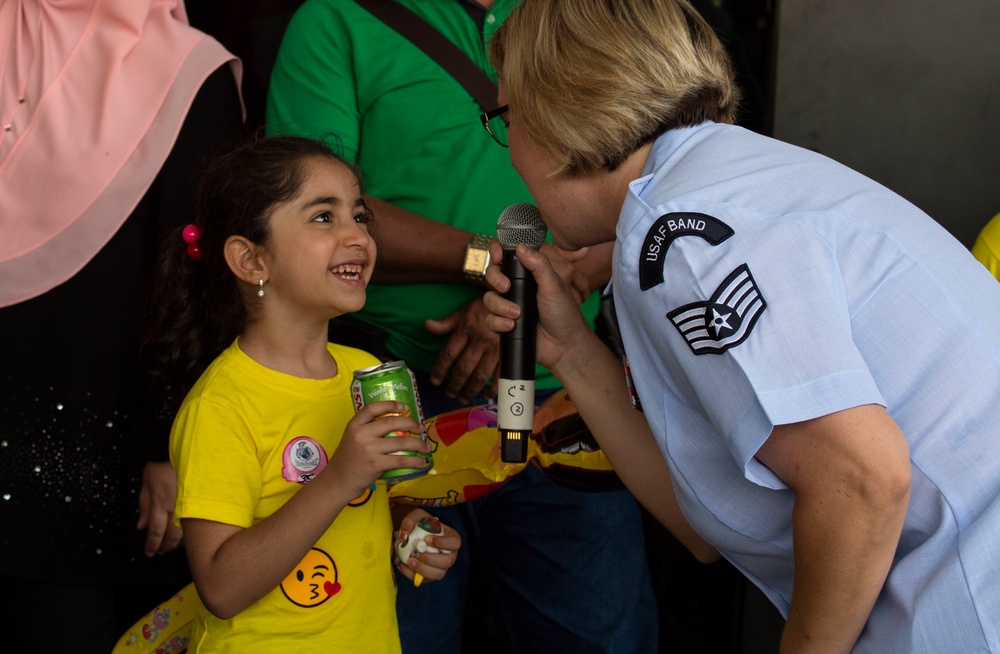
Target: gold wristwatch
(477, 258)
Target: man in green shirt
(566, 569)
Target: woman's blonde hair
(592, 81)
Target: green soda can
(386, 382)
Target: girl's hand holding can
(363, 454)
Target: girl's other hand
(430, 566)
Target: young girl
(287, 532)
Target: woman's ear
(245, 260)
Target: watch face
(475, 261)
(478, 260)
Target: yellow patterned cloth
(987, 246)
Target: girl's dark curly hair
(196, 306)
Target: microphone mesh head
(521, 223)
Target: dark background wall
(904, 91)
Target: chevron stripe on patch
(725, 320)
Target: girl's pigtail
(190, 321)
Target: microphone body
(519, 223)
(516, 389)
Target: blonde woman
(815, 358)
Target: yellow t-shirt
(244, 441)
(987, 246)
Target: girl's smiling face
(321, 255)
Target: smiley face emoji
(364, 497)
(313, 581)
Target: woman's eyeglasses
(495, 123)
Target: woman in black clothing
(81, 442)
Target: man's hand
(471, 355)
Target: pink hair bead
(191, 234)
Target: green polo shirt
(415, 133)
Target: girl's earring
(260, 291)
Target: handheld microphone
(518, 223)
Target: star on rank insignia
(726, 319)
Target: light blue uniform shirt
(760, 284)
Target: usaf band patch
(725, 320)
(663, 232)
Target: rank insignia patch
(725, 320)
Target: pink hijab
(92, 96)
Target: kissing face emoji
(313, 581)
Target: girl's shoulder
(351, 358)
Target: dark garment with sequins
(76, 425)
